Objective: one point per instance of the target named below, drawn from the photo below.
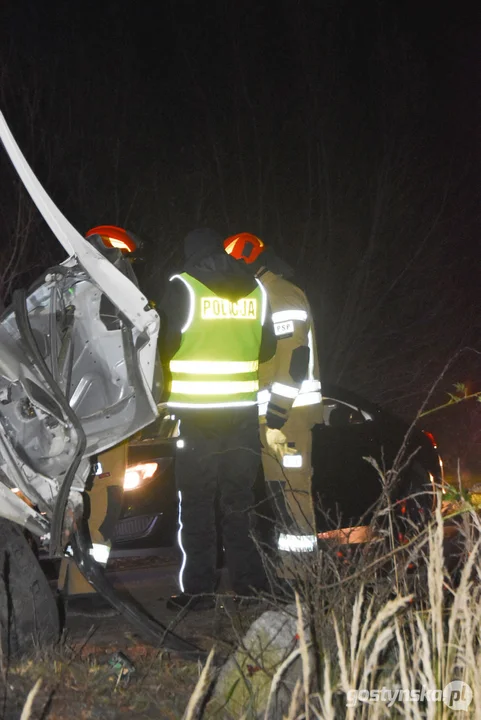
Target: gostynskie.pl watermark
(457, 695)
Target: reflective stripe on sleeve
(311, 398)
(310, 342)
(310, 386)
(282, 390)
(284, 315)
(263, 397)
(309, 395)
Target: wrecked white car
(77, 369)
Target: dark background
(345, 134)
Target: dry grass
(365, 621)
(397, 638)
(362, 636)
(27, 708)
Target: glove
(277, 443)
(275, 437)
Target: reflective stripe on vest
(211, 367)
(216, 387)
(217, 362)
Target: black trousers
(220, 459)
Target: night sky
(345, 134)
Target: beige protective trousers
(290, 488)
(104, 511)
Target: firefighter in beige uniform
(295, 396)
(104, 498)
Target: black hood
(201, 243)
(207, 261)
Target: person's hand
(275, 437)
(277, 443)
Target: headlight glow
(135, 475)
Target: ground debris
(87, 687)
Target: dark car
(363, 458)
(347, 486)
(149, 512)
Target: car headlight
(135, 475)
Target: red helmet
(114, 237)
(244, 246)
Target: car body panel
(77, 367)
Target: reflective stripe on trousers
(296, 543)
(179, 540)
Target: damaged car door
(77, 366)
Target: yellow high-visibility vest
(217, 362)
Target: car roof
(335, 392)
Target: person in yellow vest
(104, 497)
(216, 329)
(290, 400)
